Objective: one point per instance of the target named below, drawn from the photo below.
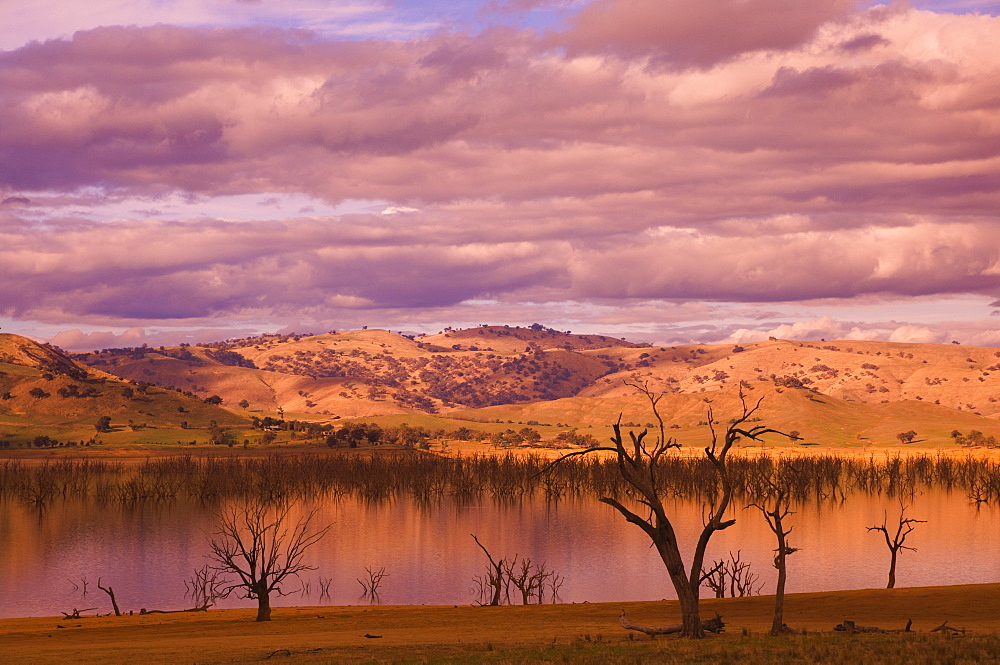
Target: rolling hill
(44, 392)
(849, 392)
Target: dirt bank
(480, 634)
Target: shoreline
(392, 633)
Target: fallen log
(75, 614)
(200, 608)
(948, 630)
(851, 627)
(713, 625)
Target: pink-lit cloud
(750, 152)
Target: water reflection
(148, 550)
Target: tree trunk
(892, 570)
(263, 607)
(778, 623)
(687, 593)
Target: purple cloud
(740, 152)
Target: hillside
(844, 390)
(45, 392)
(374, 372)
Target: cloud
(701, 34)
(750, 152)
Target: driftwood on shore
(948, 630)
(713, 625)
(851, 627)
(203, 608)
(75, 614)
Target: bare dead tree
(503, 577)
(904, 527)
(203, 587)
(638, 465)
(111, 594)
(371, 585)
(775, 508)
(491, 584)
(733, 575)
(262, 547)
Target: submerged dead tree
(775, 508)
(261, 546)
(519, 577)
(904, 527)
(639, 465)
(732, 574)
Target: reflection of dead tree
(639, 466)
(204, 587)
(82, 585)
(734, 575)
(111, 594)
(775, 509)
(904, 527)
(371, 585)
(532, 582)
(324, 587)
(978, 492)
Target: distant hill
(505, 373)
(372, 372)
(43, 389)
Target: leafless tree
(733, 575)
(262, 547)
(775, 508)
(503, 577)
(371, 585)
(904, 527)
(638, 464)
(111, 594)
(204, 587)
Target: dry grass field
(585, 633)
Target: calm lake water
(147, 551)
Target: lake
(146, 551)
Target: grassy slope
(549, 633)
(22, 417)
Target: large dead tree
(262, 547)
(639, 465)
(904, 527)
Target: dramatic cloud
(697, 34)
(639, 155)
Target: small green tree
(103, 424)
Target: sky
(661, 170)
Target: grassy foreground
(578, 633)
